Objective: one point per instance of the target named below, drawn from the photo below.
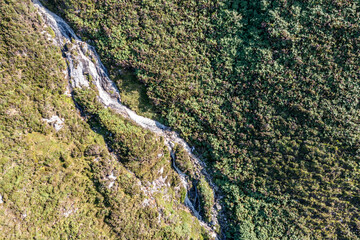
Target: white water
(83, 61)
(187, 201)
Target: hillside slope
(267, 91)
(58, 178)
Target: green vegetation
(266, 90)
(206, 195)
(147, 157)
(66, 184)
(206, 198)
(183, 161)
(44, 178)
(139, 150)
(133, 94)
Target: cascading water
(187, 201)
(83, 61)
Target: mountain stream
(82, 60)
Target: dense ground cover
(267, 91)
(64, 183)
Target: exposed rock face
(84, 70)
(56, 122)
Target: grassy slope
(44, 174)
(267, 90)
(55, 184)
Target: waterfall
(87, 62)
